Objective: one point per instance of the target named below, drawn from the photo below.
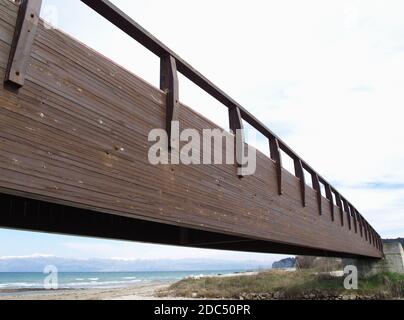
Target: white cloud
(35, 255)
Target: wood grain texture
(77, 134)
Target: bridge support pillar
(393, 261)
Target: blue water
(90, 280)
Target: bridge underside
(74, 160)
(35, 215)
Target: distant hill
(284, 264)
(37, 263)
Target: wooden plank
(27, 23)
(277, 157)
(300, 175)
(169, 84)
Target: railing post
(236, 125)
(374, 237)
(24, 35)
(277, 157)
(353, 215)
(317, 188)
(169, 84)
(341, 209)
(358, 216)
(365, 230)
(346, 209)
(300, 175)
(328, 194)
(371, 236)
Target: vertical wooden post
(277, 157)
(300, 175)
(328, 194)
(236, 124)
(367, 231)
(371, 234)
(353, 217)
(365, 228)
(374, 237)
(358, 218)
(24, 35)
(169, 84)
(346, 208)
(317, 188)
(339, 204)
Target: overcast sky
(327, 76)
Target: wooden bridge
(74, 155)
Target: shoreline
(140, 291)
(135, 292)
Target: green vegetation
(304, 284)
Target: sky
(326, 76)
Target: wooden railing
(171, 64)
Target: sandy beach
(147, 291)
(139, 292)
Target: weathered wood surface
(76, 134)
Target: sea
(10, 281)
